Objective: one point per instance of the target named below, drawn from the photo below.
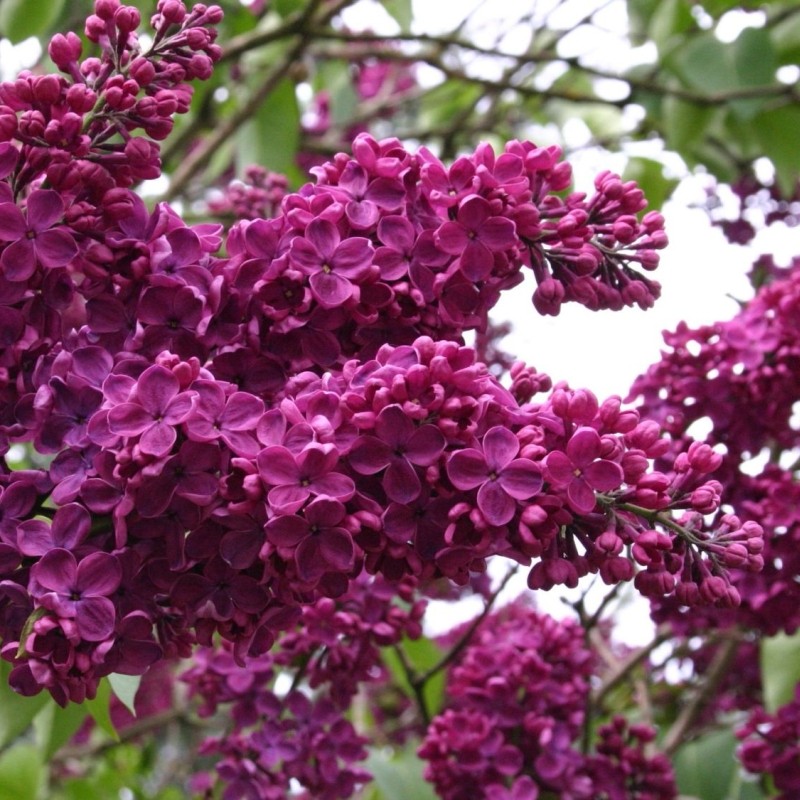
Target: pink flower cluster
(295, 738)
(234, 437)
(771, 746)
(515, 717)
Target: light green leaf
(271, 137)
(21, 19)
(780, 669)
(776, 130)
(421, 654)
(399, 775)
(16, 712)
(684, 123)
(22, 773)
(692, 762)
(125, 688)
(401, 11)
(99, 708)
(55, 726)
(671, 18)
(649, 174)
(786, 39)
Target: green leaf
(786, 39)
(684, 123)
(287, 7)
(125, 688)
(777, 132)
(755, 62)
(671, 19)
(99, 708)
(16, 712)
(780, 669)
(22, 774)
(272, 136)
(649, 174)
(401, 11)
(55, 726)
(692, 765)
(421, 655)
(399, 775)
(21, 19)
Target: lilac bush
(268, 441)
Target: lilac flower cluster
(515, 718)
(771, 746)
(234, 437)
(298, 737)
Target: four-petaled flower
(158, 407)
(79, 591)
(318, 539)
(331, 263)
(581, 470)
(476, 235)
(398, 445)
(502, 478)
(32, 238)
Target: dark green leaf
(755, 62)
(399, 775)
(16, 712)
(22, 773)
(780, 669)
(421, 655)
(21, 19)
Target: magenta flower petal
(286, 530)
(603, 475)
(12, 223)
(323, 234)
(452, 238)
(352, 257)
(581, 497)
(336, 485)
(56, 570)
(425, 446)
(336, 547)
(95, 618)
(401, 482)
(98, 574)
(242, 411)
(277, 466)
(521, 479)
(560, 469)
(476, 261)
(18, 260)
(129, 419)
(158, 439)
(157, 386)
(500, 447)
(55, 248)
(498, 233)
(467, 469)
(584, 446)
(45, 207)
(329, 289)
(495, 505)
(369, 455)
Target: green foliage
(705, 768)
(22, 773)
(16, 712)
(398, 776)
(21, 19)
(780, 669)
